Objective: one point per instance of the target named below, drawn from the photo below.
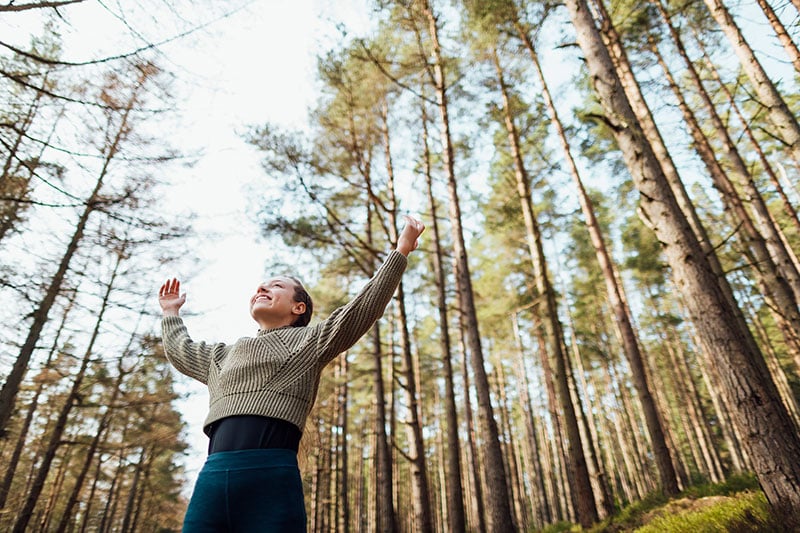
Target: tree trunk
(105, 420)
(647, 124)
(783, 35)
(499, 510)
(788, 206)
(587, 511)
(455, 494)
(384, 506)
(127, 517)
(625, 330)
(778, 112)
(772, 441)
(419, 470)
(474, 454)
(13, 462)
(516, 491)
(561, 476)
(778, 288)
(536, 474)
(343, 507)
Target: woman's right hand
(170, 298)
(409, 238)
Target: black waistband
(249, 432)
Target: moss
(746, 512)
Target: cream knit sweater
(277, 372)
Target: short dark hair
(301, 295)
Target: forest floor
(736, 506)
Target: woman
(261, 390)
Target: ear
(299, 308)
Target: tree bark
(475, 467)
(10, 388)
(26, 511)
(419, 470)
(788, 206)
(782, 34)
(536, 474)
(778, 288)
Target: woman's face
(274, 301)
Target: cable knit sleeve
(347, 324)
(187, 356)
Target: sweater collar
(270, 330)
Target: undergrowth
(735, 506)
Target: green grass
(742, 513)
(735, 506)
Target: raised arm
(187, 356)
(347, 324)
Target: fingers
(416, 225)
(170, 287)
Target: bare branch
(38, 5)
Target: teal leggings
(247, 491)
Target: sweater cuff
(171, 321)
(395, 261)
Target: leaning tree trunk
(500, 517)
(16, 454)
(788, 206)
(778, 112)
(783, 35)
(474, 471)
(771, 439)
(784, 262)
(384, 505)
(777, 289)
(543, 514)
(419, 470)
(653, 137)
